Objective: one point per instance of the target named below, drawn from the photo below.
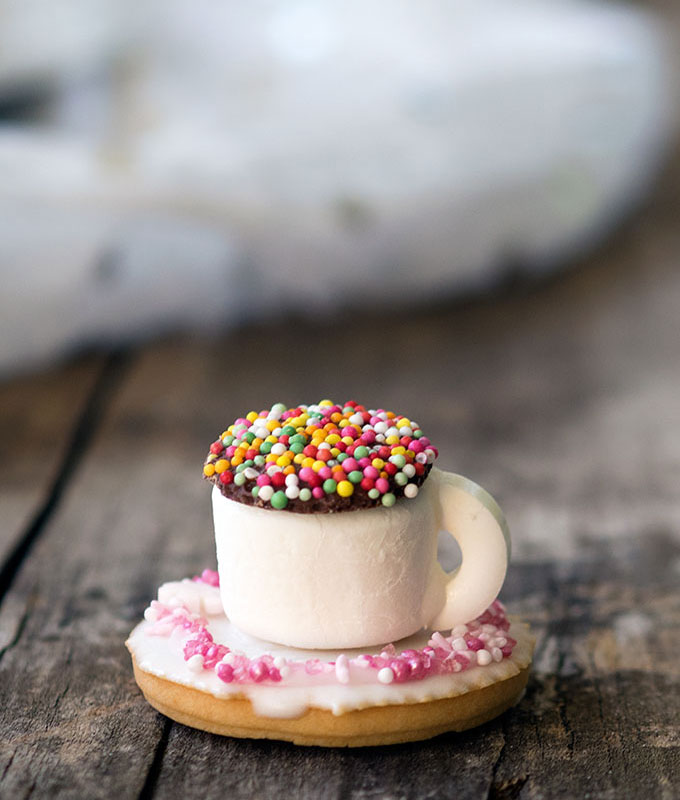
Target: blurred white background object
(238, 160)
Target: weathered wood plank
(38, 415)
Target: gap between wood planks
(110, 377)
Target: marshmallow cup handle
(475, 521)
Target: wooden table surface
(562, 398)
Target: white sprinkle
(356, 419)
(195, 663)
(459, 644)
(459, 630)
(385, 675)
(151, 614)
(392, 431)
(380, 438)
(284, 671)
(342, 668)
(380, 427)
(292, 479)
(484, 636)
(497, 654)
(324, 446)
(277, 432)
(278, 449)
(411, 490)
(362, 661)
(250, 473)
(228, 658)
(483, 657)
(292, 492)
(501, 641)
(279, 661)
(406, 431)
(430, 455)
(489, 628)
(265, 494)
(261, 433)
(409, 470)
(421, 458)
(273, 470)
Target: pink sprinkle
(474, 643)
(325, 473)
(211, 577)
(416, 446)
(225, 672)
(371, 472)
(364, 462)
(263, 480)
(307, 474)
(382, 485)
(258, 671)
(401, 670)
(367, 437)
(350, 464)
(318, 492)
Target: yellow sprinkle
(221, 465)
(256, 442)
(271, 439)
(325, 403)
(332, 438)
(394, 439)
(282, 461)
(347, 440)
(399, 451)
(209, 470)
(404, 422)
(308, 461)
(317, 465)
(236, 459)
(378, 463)
(299, 458)
(410, 453)
(335, 452)
(271, 424)
(345, 489)
(251, 416)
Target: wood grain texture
(561, 398)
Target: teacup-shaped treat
(326, 523)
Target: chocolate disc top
(320, 458)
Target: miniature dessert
(330, 620)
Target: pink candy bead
(263, 480)
(307, 474)
(325, 473)
(382, 485)
(350, 464)
(318, 492)
(371, 472)
(225, 672)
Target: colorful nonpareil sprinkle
(321, 457)
(483, 641)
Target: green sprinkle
(240, 468)
(279, 500)
(259, 461)
(355, 476)
(374, 494)
(400, 479)
(388, 499)
(361, 452)
(255, 491)
(417, 434)
(398, 461)
(287, 430)
(239, 478)
(341, 457)
(248, 436)
(296, 447)
(305, 494)
(348, 410)
(298, 438)
(227, 440)
(266, 448)
(248, 462)
(277, 409)
(329, 486)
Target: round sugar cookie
(197, 668)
